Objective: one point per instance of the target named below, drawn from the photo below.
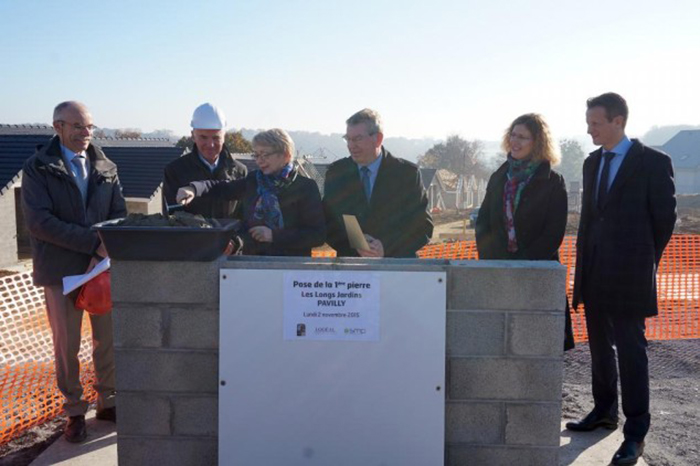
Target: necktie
(365, 182)
(81, 178)
(604, 178)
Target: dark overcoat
(300, 204)
(189, 167)
(396, 214)
(58, 220)
(540, 223)
(540, 219)
(633, 228)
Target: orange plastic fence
(28, 392)
(678, 282)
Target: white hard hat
(208, 116)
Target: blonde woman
(524, 212)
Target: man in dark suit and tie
(627, 218)
(384, 193)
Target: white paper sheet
(330, 305)
(72, 282)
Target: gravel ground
(675, 399)
(24, 449)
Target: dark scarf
(267, 206)
(519, 174)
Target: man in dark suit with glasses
(384, 193)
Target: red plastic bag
(96, 295)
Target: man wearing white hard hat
(209, 159)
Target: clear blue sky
(432, 68)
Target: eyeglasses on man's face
(78, 126)
(358, 138)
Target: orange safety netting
(678, 283)
(28, 392)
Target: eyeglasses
(519, 137)
(263, 156)
(78, 126)
(358, 138)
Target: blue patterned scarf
(267, 206)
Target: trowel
(175, 208)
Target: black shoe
(628, 453)
(75, 431)
(592, 422)
(107, 414)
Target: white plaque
(341, 306)
(340, 403)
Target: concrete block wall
(505, 331)
(8, 229)
(166, 338)
(140, 205)
(505, 337)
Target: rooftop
(684, 148)
(140, 162)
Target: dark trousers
(607, 332)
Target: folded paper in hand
(72, 282)
(355, 236)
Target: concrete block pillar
(504, 356)
(505, 337)
(166, 326)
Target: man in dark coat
(627, 218)
(384, 193)
(209, 159)
(67, 186)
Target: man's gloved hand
(185, 195)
